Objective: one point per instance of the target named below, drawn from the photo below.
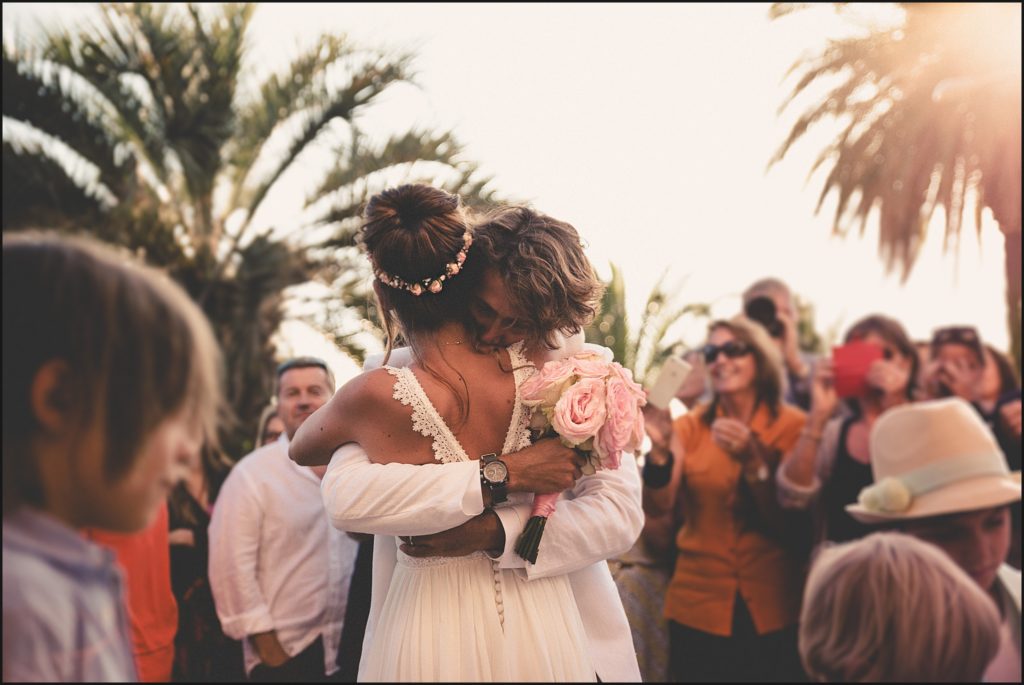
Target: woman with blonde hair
(270, 426)
(891, 608)
(734, 597)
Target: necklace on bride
(452, 342)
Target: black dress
(848, 478)
(202, 652)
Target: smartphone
(850, 365)
(671, 377)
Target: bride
(448, 618)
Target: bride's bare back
(366, 411)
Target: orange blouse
(719, 553)
(145, 561)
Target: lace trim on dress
(428, 422)
(425, 419)
(519, 430)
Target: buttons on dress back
(499, 603)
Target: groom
(539, 287)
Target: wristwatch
(494, 474)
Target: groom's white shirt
(601, 517)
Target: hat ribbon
(895, 494)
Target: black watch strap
(497, 488)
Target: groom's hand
(547, 466)
(483, 532)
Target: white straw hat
(933, 458)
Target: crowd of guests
(779, 457)
(794, 529)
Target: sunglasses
(959, 335)
(301, 363)
(732, 349)
(962, 335)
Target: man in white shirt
(539, 265)
(279, 572)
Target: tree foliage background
(930, 117)
(145, 128)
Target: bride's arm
(384, 498)
(327, 429)
(362, 411)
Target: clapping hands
(733, 436)
(952, 378)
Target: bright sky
(648, 127)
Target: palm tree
(931, 114)
(646, 349)
(141, 128)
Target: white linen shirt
(276, 563)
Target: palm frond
(943, 121)
(363, 87)
(98, 54)
(50, 99)
(362, 170)
(38, 191)
(296, 88)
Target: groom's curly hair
(547, 274)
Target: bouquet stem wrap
(529, 541)
(593, 405)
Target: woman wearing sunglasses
(831, 462)
(734, 598)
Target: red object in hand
(850, 364)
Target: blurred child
(110, 386)
(892, 608)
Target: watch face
(495, 472)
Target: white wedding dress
(462, 618)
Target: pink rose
(619, 430)
(590, 365)
(546, 386)
(639, 431)
(581, 411)
(627, 376)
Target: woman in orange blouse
(734, 598)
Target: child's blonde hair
(137, 348)
(890, 607)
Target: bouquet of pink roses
(593, 405)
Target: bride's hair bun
(413, 231)
(411, 206)
(418, 239)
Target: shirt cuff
(251, 622)
(513, 521)
(472, 496)
(792, 495)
